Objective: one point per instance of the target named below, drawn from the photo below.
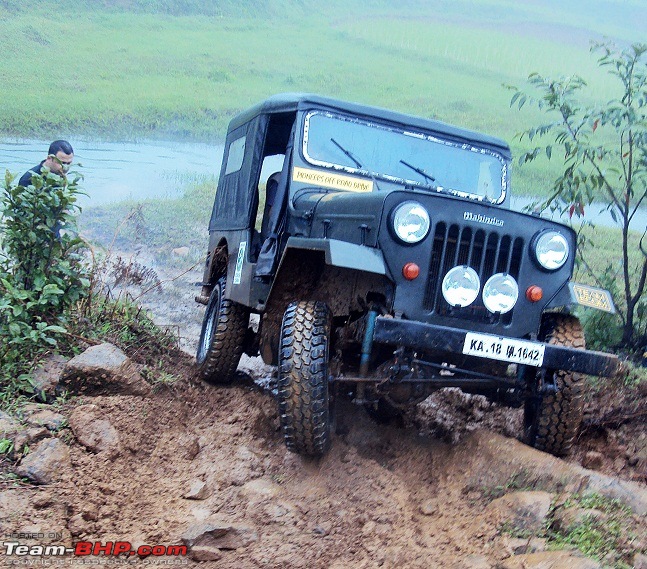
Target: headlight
(551, 250)
(500, 293)
(410, 222)
(461, 286)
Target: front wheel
(303, 393)
(554, 407)
(222, 336)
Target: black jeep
(383, 260)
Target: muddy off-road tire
(222, 336)
(552, 420)
(303, 378)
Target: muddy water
(115, 171)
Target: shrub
(42, 273)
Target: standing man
(58, 161)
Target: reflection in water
(116, 171)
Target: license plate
(504, 349)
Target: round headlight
(500, 293)
(461, 286)
(551, 250)
(410, 222)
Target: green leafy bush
(42, 273)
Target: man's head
(59, 157)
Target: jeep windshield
(411, 158)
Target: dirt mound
(613, 438)
(360, 506)
(193, 453)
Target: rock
(219, 534)
(103, 370)
(191, 447)
(46, 377)
(428, 508)
(43, 500)
(77, 525)
(522, 510)
(550, 560)
(9, 425)
(198, 490)
(181, 251)
(205, 553)
(45, 417)
(640, 561)
(95, 432)
(518, 545)
(490, 459)
(27, 438)
(90, 513)
(46, 462)
(322, 529)
(567, 518)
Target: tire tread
(303, 378)
(559, 414)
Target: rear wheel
(552, 415)
(222, 337)
(303, 392)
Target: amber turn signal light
(410, 271)
(534, 293)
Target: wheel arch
(312, 274)
(215, 266)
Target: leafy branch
(604, 154)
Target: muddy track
(384, 495)
(412, 495)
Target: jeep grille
(486, 252)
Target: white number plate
(504, 349)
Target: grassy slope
(102, 72)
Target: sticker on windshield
(334, 181)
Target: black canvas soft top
(291, 102)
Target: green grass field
(92, 70)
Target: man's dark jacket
(25, 179)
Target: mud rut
(384, 495)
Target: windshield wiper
(357, 163)
(346, 152)
(421, 172)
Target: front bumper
(412, 334)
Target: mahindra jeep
(381, 257)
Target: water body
(115, 171)
(595, 213)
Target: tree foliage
(603, 149)
(42, 273)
